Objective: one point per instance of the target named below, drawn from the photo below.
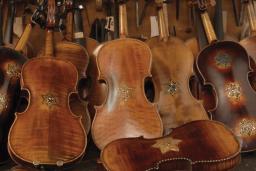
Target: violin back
(225, 66)
(47, 132)
(124, 64)
(195, 142)
(171, 72)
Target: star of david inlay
(233, 91)
(125, 92)
(50, 100)
(172, 87)
(223, 60)
(13, 70)
(247, 127)
(167, 144)
(3, 102)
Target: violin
(224, 65)
(124, 64)
(77, 55)
(194, 144)
(249, 42)
(172, 69)
(48, 115)
(96, 93)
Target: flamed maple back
(205, 144)
(124, 64)
(47, 133)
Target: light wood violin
(124, 64)
(171, 71)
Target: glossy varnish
(206, 145)
(47, 133)
(224, 65)
(171, 71)
(124, 64)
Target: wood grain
(195, 142)
(64, 138)
(124, 64)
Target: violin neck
(10, 20)
(201, 36)
(116, 19)
(123, 30)
(251, 17)
(24, 38)
(208, 28)
(78, 28)
(218, 20)
(49, 46)
(162, 24)
(69, 26)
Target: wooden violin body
(194, 142)
(10, 66)
(47, 132)
(225, 66)
(98, 91)
(77, 55)
(124, 64)
(171, 71)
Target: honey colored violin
(47, 133)
(224, 65)
(171, 71)
(205, 144)
(124, 64)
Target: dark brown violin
(124, 64)
(171, 71)
(224, 65)
(49, 82)
(202, 145)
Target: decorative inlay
(172, 87)
(50, 100)
(223, 60)
(36, 163)
(247, 127)
(59, 163)
(3, 102)
(233, 91)
(167, 144)
(13, 70)
(125, 92)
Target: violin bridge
(167, 144)
(50, 100)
